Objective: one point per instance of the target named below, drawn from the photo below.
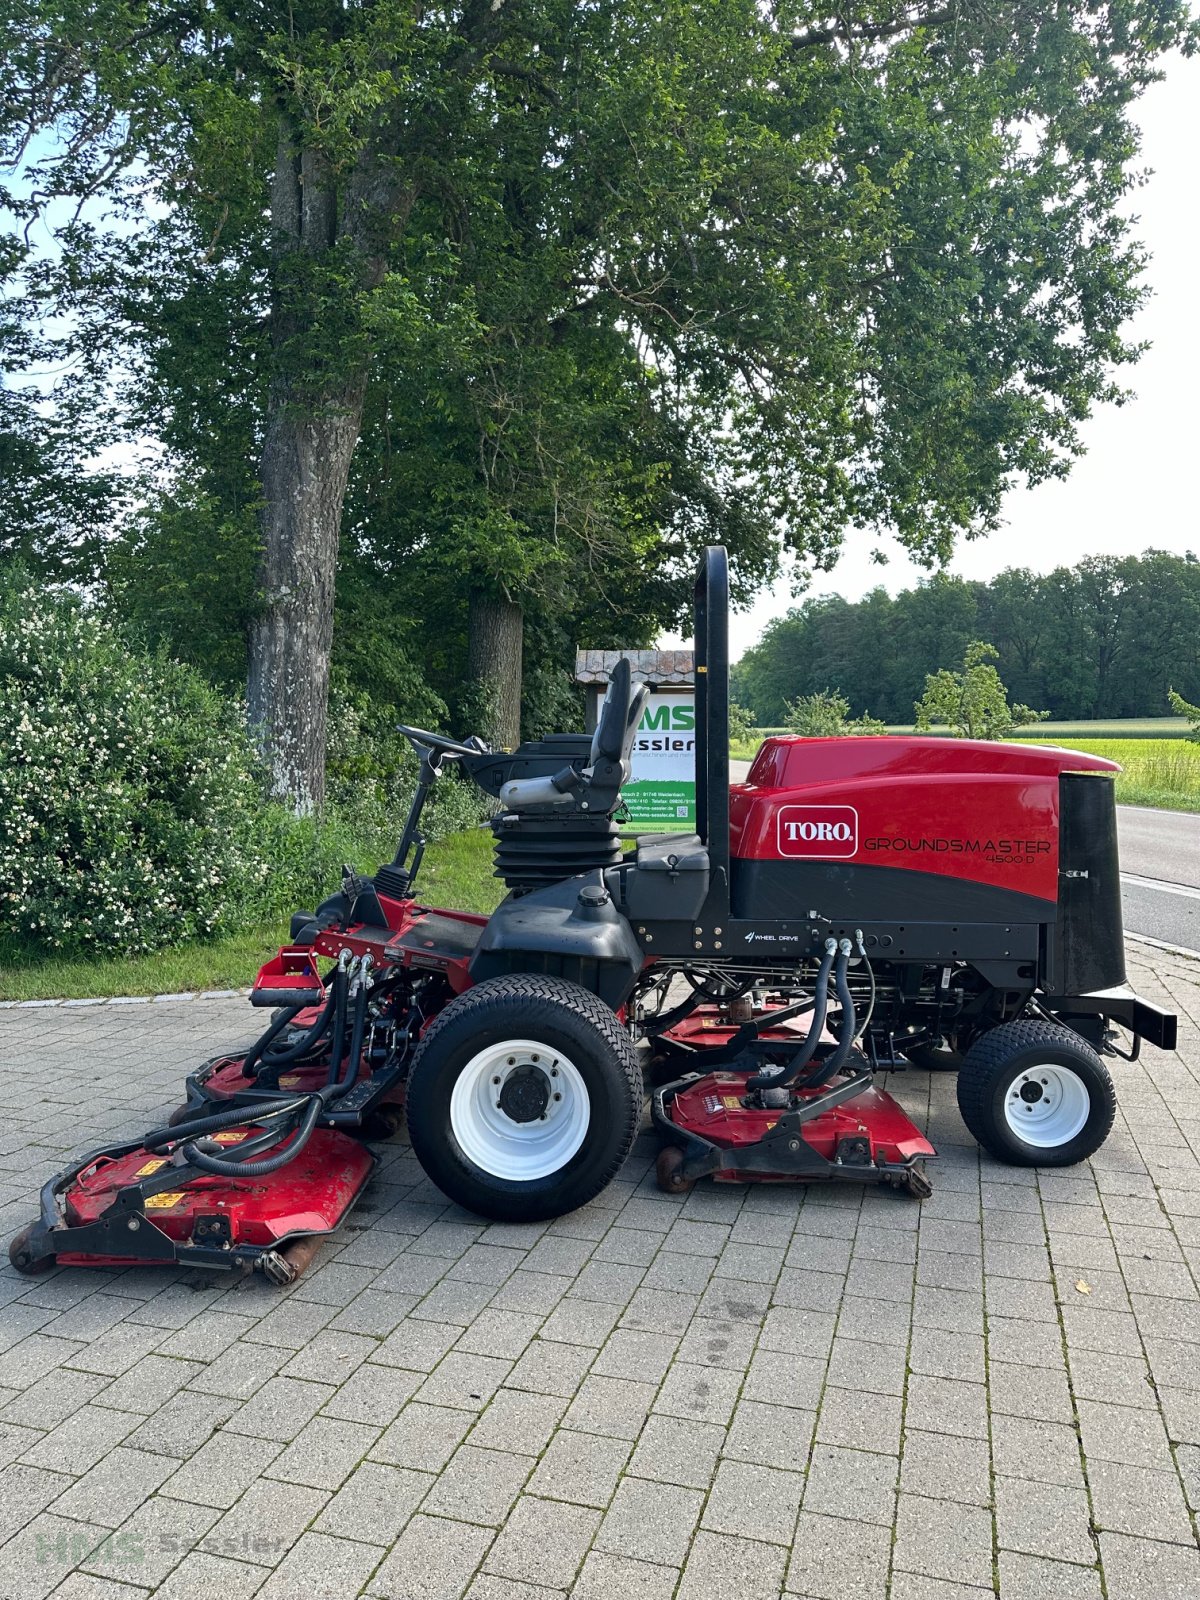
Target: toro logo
(830, 832)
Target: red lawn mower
(857, 905)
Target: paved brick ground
(750, 1392)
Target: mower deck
(125, 1206)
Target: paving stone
(1123, 1433)
(53, 1399)
(673, 1450)
(944, 1539)
(550, 1367)
(543, 1542)
(706, 1394)
(919, 1586)
(478, 1486)
(1120, 1380)
(221, 1470)
(836, 1559)
(610, 1406)
(82, 1440)
(1143, 1501)
(145, 1387)
(860, 1420)
(152, 1542)
(111, 1490)
(1038, 1393)
(1042, 1519)
(1144, 1567)
(418, 1346)
(581, 1322)
(773, 1436)
(798, 1382)
(182, 1425)
(1044, 1451)
(940, 1467)
(204, 1577)
(651, 1522)
(518, 1420)
(423, 1437)
(609, 1577)
(324, 1453)
(372, 1394)
(263, 1525)
(719, 1565)
(946, 1405)
(484, 1586)
(755, 1501)
(279, 1409)
(433, 1559)
(1032, 1578)
(467, 1382)
(43, 1552)
(499, 1333)
(581, 1468)
(372, 1505)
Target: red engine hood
(964, 808)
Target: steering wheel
(435, 741)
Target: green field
(1160, 766)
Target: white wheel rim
(1047, 1106)
(545, 1090)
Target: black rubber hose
(338, 1039)
(234, 1117)
(776, 1080)
(258, 1058)
(337, 1088)
(225, 1168)
(833, 1064)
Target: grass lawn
(456, 873)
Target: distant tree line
(1107, 638)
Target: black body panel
(568, 930)
(1089, 946)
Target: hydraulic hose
(777, 1080)
(833, 1064)
(232, 1168)
(220, 1120)
(258, 1059)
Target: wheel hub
(1047, 1106)
(525, 1094)
(520, 1110)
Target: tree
(1184, 708)
(826, 715)
(973, 702)
(775, 218)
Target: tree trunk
(495, 634)
(310, 434)
(305, 465)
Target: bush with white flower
(128, 788)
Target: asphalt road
(1160, 870)
(1160, 874)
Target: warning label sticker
(164, 1202)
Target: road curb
(1157, 944)
(126, 999)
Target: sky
(1139, 483)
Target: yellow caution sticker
(289, 1080)
(150, 1166)
(165, 1202)
(731, 1102)
(235, 1136)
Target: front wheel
(524, 1098)
(1036, 1095)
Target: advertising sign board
(661, 795)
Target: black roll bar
(712, 705)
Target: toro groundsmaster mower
(857, 905)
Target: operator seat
(556, 825)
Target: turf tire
(987, 1073)
(564, 1017)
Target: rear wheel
(24, 1259)
(941, 1056)
(524, 1098)
(1036, 1095)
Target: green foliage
(131, 804)
(742, 725)
(973, 703)
(128, 796)
(1073, 640)
(1184, 708)
(614, 280)
(826, 715)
